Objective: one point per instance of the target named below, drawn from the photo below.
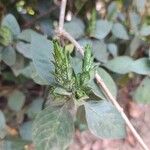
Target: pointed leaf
(119, 31)
(53, 129)
(104, 121)
(41, 51)
(142, 93)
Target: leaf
(112, 10)
(104, 121)
(120, 64)
(76, 64)
(75, 27)
(11, 22)
(145, 30)
(142, 94)
(5, 36)
(35, 107)
(119, 31)
(107, 80)
(103, 27)
(24, 49)
(140, 4)
(113, 49)
(41, 51)
(135, 20)
(30, 72)
(53, 129)
(9, 55)
(134, 45)
(141, 66)
(2, 125)
(25, 131)
(16, 100)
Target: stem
(62, 14)
(98, 78)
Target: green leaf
(5, 36)
(112, 10)
(24, 49)
(125, 64)
(107, 80)
(135, 20)
(76, 64)
(145, 30)
(142, 93)
(11, 22)
(16, 100)
(35, 107)
(103, 27)
(141, 66)
(140, 4)
(30, 72)
(41, 51)
(104, 121)
(75, 27)
(113, 49)
(119, 31)
(9, 55)
(53, 129)
(2, 125)
(25, 131)
(134, 45)
(120, 64)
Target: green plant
(115, 49)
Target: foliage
(34, 67)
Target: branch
(62, 14)
(99, 80)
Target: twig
(31, 23)
(98, 78)
(62, 14)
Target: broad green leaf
(19, 64)
(141, 66)
(113, 49)
(107, 80)
(145, 30)
(134, 45)
(103, 27)
(120, 64)
(100, 51)
(24, 49)
(9, 55)
(76, 64)
(104, 121)
(53, 129)
(35, 107)
(25, 131)
(16, 100)
(11, 22)
(142, 93)
(2, 125)
(42, 55)
(30, 72)
(75, 27)
(125, 64)
(61, 91)
(119, 31)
